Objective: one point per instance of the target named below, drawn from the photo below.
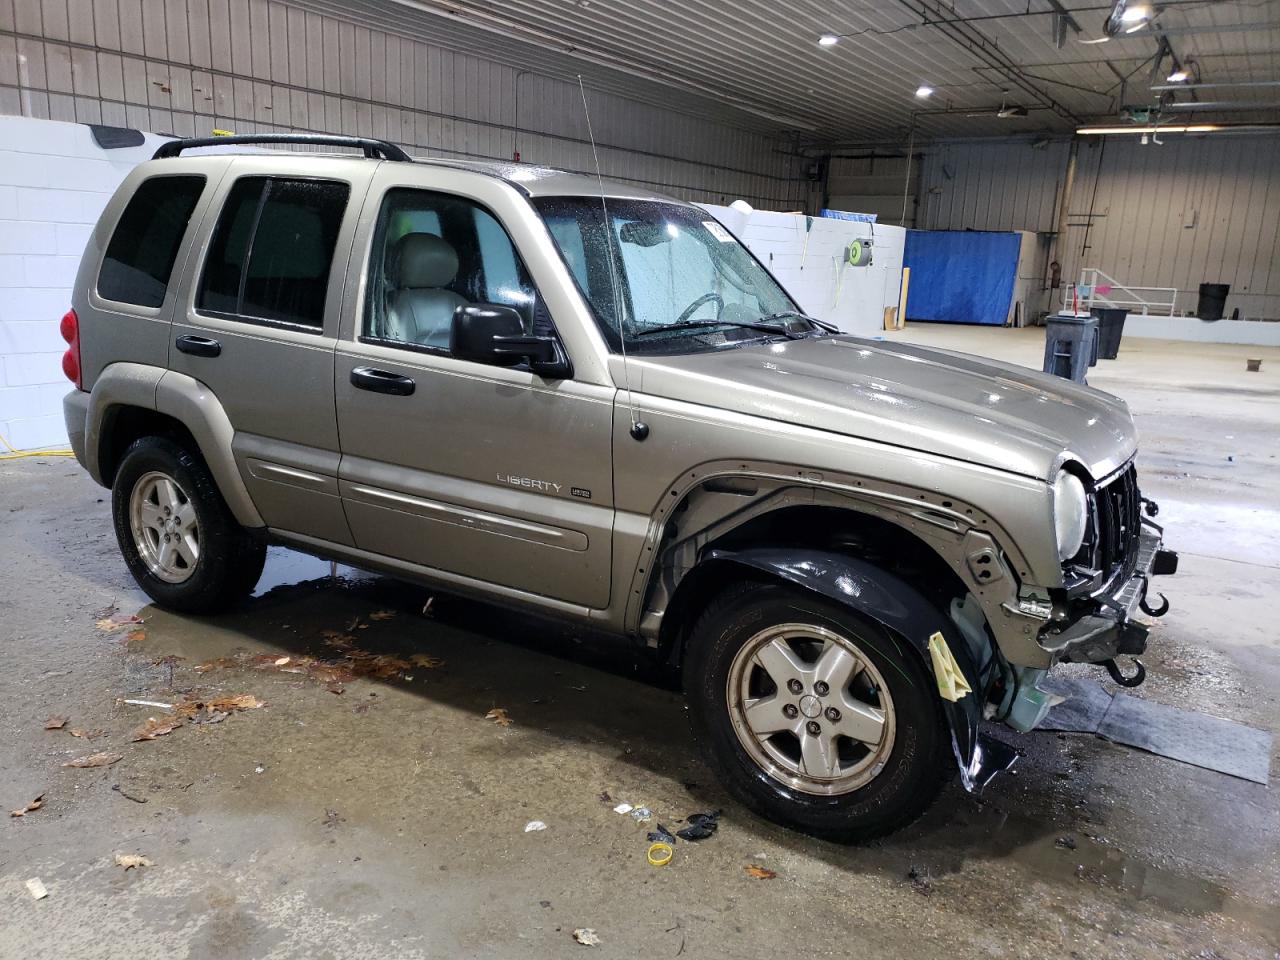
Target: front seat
(421, 309)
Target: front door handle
(198, 346)
(380, 381)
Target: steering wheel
(692, 308)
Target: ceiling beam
(973, 40)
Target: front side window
(272, 251)
(684, 283)
(432, 253)
(142, 250)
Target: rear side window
(272, 250)
(142, 250)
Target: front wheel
(177, 535)
(813, 716)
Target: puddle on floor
(285, 568)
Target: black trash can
(1070, 345)
(1110, 330)
(1213, 301)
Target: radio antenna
(639, 429)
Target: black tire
(230, 557)
(916, 768)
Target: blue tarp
(846, 215)
(961, 276)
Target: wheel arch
(131, 400)
(908, 617)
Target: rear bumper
(75, 413)
(1112, 629)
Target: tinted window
(142, 250)
(434, 252)
(272, 250)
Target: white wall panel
(185, 66)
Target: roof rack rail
(373, 149)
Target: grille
(1116, 514)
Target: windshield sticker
(717, 231)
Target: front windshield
(684, 283)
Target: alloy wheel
(811, 709)
(165, 529)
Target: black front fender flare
(910, 618)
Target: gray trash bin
(1070, 345)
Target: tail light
(70, 330)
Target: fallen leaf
(218, 664)
(155, 728)
(56, 723)
(759, 872)
(131, 860)
(193, 707)
(425, 661)
(95, 760)
(35, 804)
(281, 661)
(336, 687)
(586, 936)
(135, 636)
(36, 888)
(167, 661)
(117, 622)
(499, 716)
(86, 734)
(204, 715)
(382, 615)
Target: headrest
(425, 260)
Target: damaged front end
(1094, 617)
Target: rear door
(490, 474)
(259, 324)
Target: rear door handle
(380, 381)
(198, 346)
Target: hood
(952, 404)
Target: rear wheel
(176, 533)
(813, 716)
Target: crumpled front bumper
(1112, 629)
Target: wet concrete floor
(388, 820)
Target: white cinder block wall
(54, 181)
(812, 271)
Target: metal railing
(1096, 289)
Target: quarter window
(272, 250)
(145, 244)
(432, 253)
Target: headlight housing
(1070, 514)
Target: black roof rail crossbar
(373, 149)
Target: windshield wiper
(786, 314)
(773, 328)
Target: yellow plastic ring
(660, 854)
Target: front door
(482, 473)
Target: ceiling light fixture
(924, 90)
(828, 40)
(1107, 131)
(1138, 13)
(1178, 76)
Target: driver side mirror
(493, 333)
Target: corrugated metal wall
(992, 185)
(1190, 211)
(188, 66)
(1182, 214)
(885, 185)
